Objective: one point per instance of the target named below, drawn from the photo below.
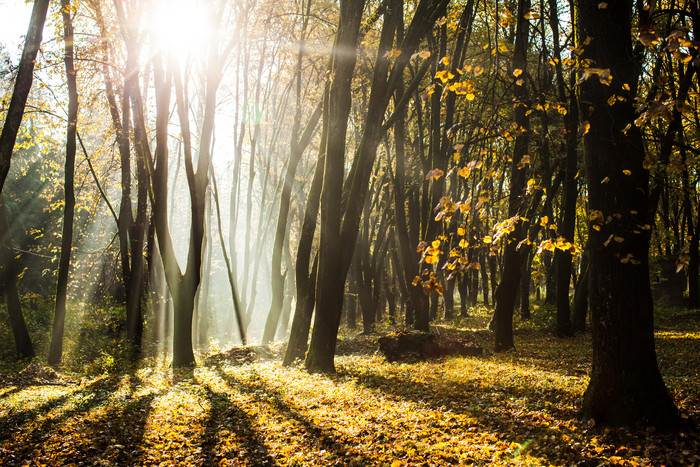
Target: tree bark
(626, 387)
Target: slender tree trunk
(568, 219)
(626, 387)
(578, 317)
(507, 289)
(8, 136)
(23, 84)
(276, 282)
(56, 346)
(305, 280)
(8, 284)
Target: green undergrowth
(242, 407)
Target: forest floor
(243, 408)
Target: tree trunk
(23, 84)
(568, 218)
(330, 278)
(578, 318)
(505, 295)
(56, 346)
(8, 284)
(626, 387)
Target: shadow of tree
(492, 408)
(27, 439)
(325, 438)
(230, 434)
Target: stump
(419, 346)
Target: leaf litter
(243, 408)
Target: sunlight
(183, 27)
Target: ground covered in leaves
(242, 407)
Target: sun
(183, 27)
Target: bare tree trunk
(507, 289)
(8, 284)
(56, 346)
(23, 84)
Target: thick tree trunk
(626, 387)
(56, 346)
(330, 279)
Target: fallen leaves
(499, 409)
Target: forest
(352, 232)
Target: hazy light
(182, 26)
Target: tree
(23, 84)
(507, 288)
(56, 347)
(626, 387)
(10, 128)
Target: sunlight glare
(182, 26)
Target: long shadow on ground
(337, 444)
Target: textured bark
(626, 387)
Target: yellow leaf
(602, 6)
(431, 259)
(487, 239)
(435, 174)
(517, 72)
(478, 70)
(424, 54)
(435, 243)
(584, 128)
(619, 239)
(544, 220)
(605, 180)
(445, 61)
(461, 231)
